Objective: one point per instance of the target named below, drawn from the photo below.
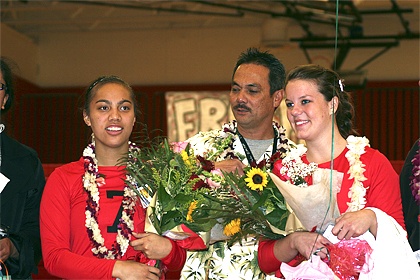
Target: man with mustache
(255, 140)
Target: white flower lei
(357, 192)
(91, 181)
(218, 144)
(293, 166)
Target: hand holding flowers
(153, 246)
(312, 196)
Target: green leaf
(183, 198)
(244, 194)
(170, 220)
(261, 200)
(165, 200)
(201, 224)
(155, 221)
(277, 218)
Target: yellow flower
(233, 227)
(186, 158)
(191, 209)
(256, 179)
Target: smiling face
(250, 99)
(308, 112)
(111, 116)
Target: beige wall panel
(22, 50)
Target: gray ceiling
(37, 17)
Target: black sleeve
(27, 239)
(410, 208)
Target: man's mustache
(241, 106)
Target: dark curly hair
(276, 75)
(7, 73)
(329, 84)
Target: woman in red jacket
(317, 103)
(91, 223)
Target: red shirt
(66, 246)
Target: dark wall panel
(49, 120)
(388, 114)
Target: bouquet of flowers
(171, 183)
(310, 192)
(186, 197)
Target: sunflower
(232, 228)
(191, 209)
(256, 179)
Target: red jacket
(383, 192)
(66, 246)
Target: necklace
(92, 181)
(279, 148)
(415, 177)
(357, 192)
(251, 159)
(219, 145)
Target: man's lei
(219, 144)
